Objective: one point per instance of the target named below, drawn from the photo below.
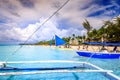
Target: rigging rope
(38, 29)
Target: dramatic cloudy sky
(20, 18)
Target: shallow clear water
(37, 53)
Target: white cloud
(18, 15)
(46, 32)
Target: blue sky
(20, 18)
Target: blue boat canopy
(103, 43)
(59, 41)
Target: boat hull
(100, 55)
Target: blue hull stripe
(99, 55)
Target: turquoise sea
(38, 53)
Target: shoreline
(91, 48)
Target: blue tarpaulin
(103, 43)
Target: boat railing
(92, 68)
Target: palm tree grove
(110, 31)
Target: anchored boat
(103, 53)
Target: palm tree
(106, 29)
(117, 20)
(117, 31)
(112, 29)
(73, 35)
(93, 34)
(87, 26)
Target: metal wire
(37, 29)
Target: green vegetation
(67, 39)
(45, 42)
(87, 26)
(110, 31)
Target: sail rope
(94, 52)
(91, 55)
(38, 29)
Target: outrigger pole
(106, 73)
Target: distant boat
(101, 54)
(58, 41)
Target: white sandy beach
(93, 48)
(86, 48)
